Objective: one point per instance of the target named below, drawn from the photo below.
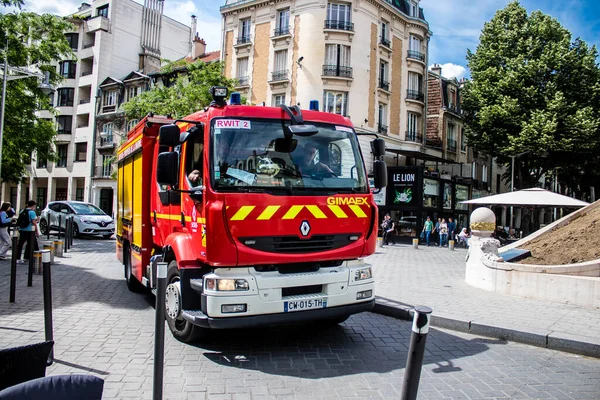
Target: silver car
(88, 219)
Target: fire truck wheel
(181, 329)
(132, 283)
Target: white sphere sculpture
(483, 221)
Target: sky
(456, 24)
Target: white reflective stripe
(427, 314)
(162, 270)
(45, 256)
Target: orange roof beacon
(263, 214)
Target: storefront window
(447, 196)
(431, 193)
(462, 194)
(461, 222)
(405, 223)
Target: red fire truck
(263, 214)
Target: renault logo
(304, 228)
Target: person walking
(5, 222)
(388, 231)
(436, 231)
(443, 230)
(451, 228)
(427, 229)
(27, 223)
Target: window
(194, 158)
(73, 39)
(283, 22)
(451, 137)
(336, 102)
(413, 9)
(463, 140)
(412, 128)
(41, 196)
(109, 101)
(278, 99)
(484, 173)
(64, 124)
(102, 11)
(415, 82)
(62, 151)
(242, 70)
(382, 119)
(67, 69)
(106, 168)
(474, 170)
(415, 43)
(65, 97)
(42, 162)
(131, 124)
(384, 33)
(337, 61)
(51, 99)
(280, 68)
(79, 194)
(133, 91)
(244, 35)
(80, 151)
(383, 76)
(107, 129)
(339, 13)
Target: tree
(29, 39)
(533, 90)
(188, 93)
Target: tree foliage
(29, 39)
(187, 91)
(533, 90)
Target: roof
(536, 197)
(206, 58)
(111, 81)
(212, 56)
(134, 75)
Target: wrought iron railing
(342, 25)
(279, 75)
(385, 85)
(285, 30)
(386, 42)
(415, 95)
(413, 136)
(242, 81)
(451, 145)
(383, 129)
(243, 39)
(417, 55)
(337, 70)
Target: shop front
(413, 194)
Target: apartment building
(362, 59)
(111, 38)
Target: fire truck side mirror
(380, 174)
(168, 135)
(377, 147)
(166, 168)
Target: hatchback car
(88, 219)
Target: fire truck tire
(181, 329)
(132, 283)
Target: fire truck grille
(294, 244)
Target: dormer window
(413, 9)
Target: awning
(535, 197)
(421, 156)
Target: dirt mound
(576, 242)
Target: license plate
(303, 305)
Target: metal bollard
(50, 248)
(58, 248)
(159, 331)
(48, 231)
(72, 230)
(59, 225)
(13, 266)
(66, 244)
(71, 222)
(415, 243)
(37, 262)
(32, 239)
(451, 245)
(47, 287)
(416, 350)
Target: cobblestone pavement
(435, 277)
(102, 329)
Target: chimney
(198, 47)
(437, 69)
(193, 28)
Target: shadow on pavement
(365, 343)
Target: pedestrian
(27, 223)
(427, 229)
(463, 237)
(436, 231)
(388, 231)
(451, 228)
(5, 222)
(443, 230)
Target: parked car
(88, 219)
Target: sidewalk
(434, 277)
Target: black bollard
(72, 230)
(13, 266)
(59, 224)
(47, 287)
(159, 331)
(416, 350)
(66, 246)
(48, 230)
(32, 239)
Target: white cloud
(63, 7)
(450, 70)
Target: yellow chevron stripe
(268, 213)
(292, 212)
(337, 210)
(358, 211)
(242, 213)
(316, 212)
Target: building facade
(111, 38)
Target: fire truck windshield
(255, 155)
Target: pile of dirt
(575, 242)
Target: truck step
(194, 316)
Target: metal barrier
(13, 266)
(47, 285)
(416, 350)
(159, 331)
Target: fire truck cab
(263, 214)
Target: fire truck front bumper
(244, 297)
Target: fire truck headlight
(227, 285)
(363, 273)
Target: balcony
(285, 30)
(454, 109)
(337, 70)
(339, 25)
(86, 73)
(434, 142)
(416, 55)
(103, 171)
(106, 142)
(243, 41)
(383, 129)
(243, 81)
(84, 101)
(98, 23)
(415, 137)
(279, 76)
(109, 109)
(88, 45)
(451, 145)
(385, 42)
(385, 85)
(415, 95)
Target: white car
(88, 219)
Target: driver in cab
(309, 165)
